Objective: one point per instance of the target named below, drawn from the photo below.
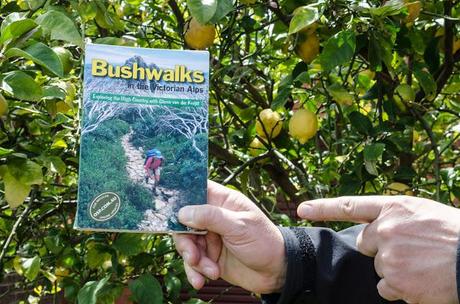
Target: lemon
(398, 189)
(248, 2)
(199, 36)
(268, 124)
(65, 56)
(308, 47)
(256, 147)
(3, 105)
(414, 9)
(303, 125)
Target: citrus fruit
(199, 36)
(303, 125)
(268, 124)
(398, 189)
(256, 147)
(248, 2)
(61, 273)
(414, 9)
(65, 56)
(308, 46)
(3, 105)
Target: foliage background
(360, 148)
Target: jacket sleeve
(325, 267)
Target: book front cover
(144, 131)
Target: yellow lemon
(3, 105)
(303, 125)
(268, 124)
(256, 147)
(199, 36)
(308, 46)
(398, 189)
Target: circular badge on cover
(104, 206)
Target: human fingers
(208, 217)
(359, 209)
(187, 248)
(367, 240)
(386, 291)
(195, 278)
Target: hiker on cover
(152, 165)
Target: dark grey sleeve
(324, 267)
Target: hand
(414, 242)
(242, 245)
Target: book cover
(144, 138)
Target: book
(144, 138)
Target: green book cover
(144, 138)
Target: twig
(244, 165)
(16, 225)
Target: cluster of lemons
(303, 125)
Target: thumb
(359, 209)
(208, 217)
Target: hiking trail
(163, 201)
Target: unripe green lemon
(256, 147)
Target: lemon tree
(308, 98)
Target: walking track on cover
(163, 202)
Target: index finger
(358, 209)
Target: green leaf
(4, 152)
(372, 154)
(373, 151)
(15, 191)
(390, 8)
(361, 123)
(14, 26)
(57, 165)
(88, 294)
(425, 80)
(146, 290)
(21, 86)
(223, 8)
(40, 54)
(129, 243)
(26, 171)
(201, 10)
(31, 267)
(339, 49)
(60, 27)
(304, 16)
(284, 90)
(53, 92)
(35, 4)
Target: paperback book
(144, 138)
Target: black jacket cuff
(301, 267)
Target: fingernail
(304, 210)
(185, 215)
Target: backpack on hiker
(152, 153)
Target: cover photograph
(144, 138)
